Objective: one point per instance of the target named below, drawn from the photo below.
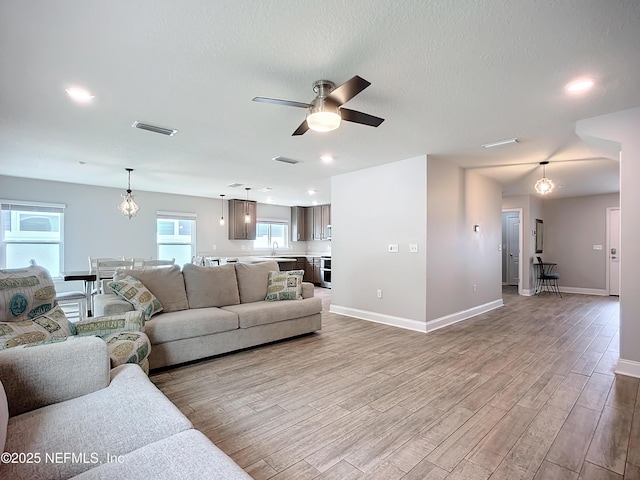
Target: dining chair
(547, 279)
(157, 263)
(106, 268)
(198, 260)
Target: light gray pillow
(253, 280)
(211, 286)
(166, 283)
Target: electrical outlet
(413, 248)
(475, 288)
(213, 247)
(393, 248)
(379, 293)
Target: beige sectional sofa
(213, 310)
(67, 415)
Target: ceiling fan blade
(304, 126)
(359, 117)
(276, 101)
(348, 90)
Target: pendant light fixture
(544, 186)
(222, 210)
(129, 207)
(247, 215)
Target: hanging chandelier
(544, 186)
(129, 207)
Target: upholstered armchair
(29, 315)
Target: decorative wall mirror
(539, 235)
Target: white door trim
(608, 246)
(520, 248)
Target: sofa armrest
(109, 304)
(307, 289)
(38, 375)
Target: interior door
(614, 250)
(513, 249)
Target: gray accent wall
(572, 226)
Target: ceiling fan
(325, 112)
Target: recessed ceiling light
(315, 202)
(79, 94)
(326, 158)
(580, 86)
(311, 192)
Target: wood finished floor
(524, 392)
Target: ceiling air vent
(290, 161)
(235, 185)
(153, 128)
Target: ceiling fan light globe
(544, 186)
(323, 121)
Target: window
(176, 234)
(269, 232)
(32, 231)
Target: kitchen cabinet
(298, 224)
(317, 220)
(238, 228)
(312, 272)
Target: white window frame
(15, 236)
(177, 217)
(257, 244)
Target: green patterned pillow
(52, 324)
(133, 291)
(107, 325)
(26, 293)
(284, 285)
(128, 347)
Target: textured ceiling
(446, 76)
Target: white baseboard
(528, 293)
(584, 291)
(416, 325)
(463, 315)
(628, 367)
(380, 318)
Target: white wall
(94, 226)
(457, 257)
(572, 226)
(371, 209)
(425, 201)
(622, 128)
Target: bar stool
(77, 300)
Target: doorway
(613, 251)
(512, 248)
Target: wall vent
(152, 128)
(290, 161)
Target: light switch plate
(393, 248)
(597, 247)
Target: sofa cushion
(211, 286)
(128, 414)
(53, 324)
(132, 321)
(184, 456)
(284, 285)
(133, 291)
(261, 313)
(196, 322)
(253, 279)
(27, 293)
(166, 283)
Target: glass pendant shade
(129, 207)
(544, 186)
(247, 215)
(323, 116)
(222, 210)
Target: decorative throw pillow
(52, 324)
(285, 285)
(133, 291)
(27, 293)
(4, 417)
(128, 347)
(167, 284)
(105, 326)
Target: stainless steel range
(325, 272)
